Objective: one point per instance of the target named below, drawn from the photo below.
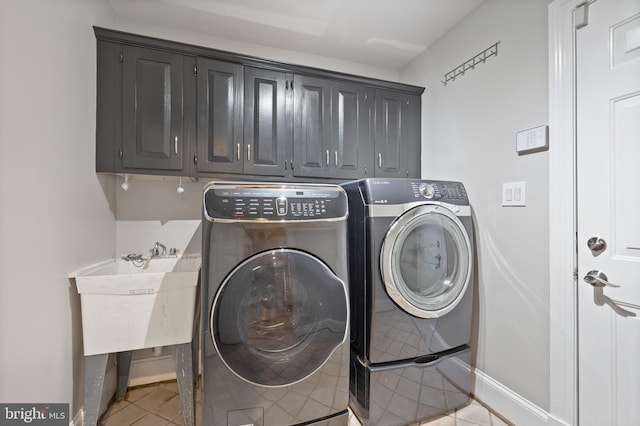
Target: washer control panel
(272, 202)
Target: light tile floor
(159, 405)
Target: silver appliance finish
(411, 286)
(275, 305)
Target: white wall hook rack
(480, 58)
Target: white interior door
(608, 167)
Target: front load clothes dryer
(410, 275)
(276, 323)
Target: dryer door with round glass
(426, 261)
(278, 316)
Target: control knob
(427, 191)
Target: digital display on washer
(266, 203)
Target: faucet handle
(155, 251)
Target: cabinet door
(152, 109)
(312, 151)
(391, 133)
(265, 122)
(352, 130)
(219, 120)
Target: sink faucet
(155, 251)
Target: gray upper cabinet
(266, 129)
(352, 130)
(152, 109)
(397, 143)
(312, 127)
(169, 108)
(219, 137)
(333, 135)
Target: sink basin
(128, 307)
(119, 276)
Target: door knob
(596, 245)
(598, 279)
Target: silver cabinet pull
(238, 152)
(379, 160)
(175, 145)
(336, 158)
(327, 158)
(598, 279)
(248, 152)
(596, 245)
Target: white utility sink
(128, 307)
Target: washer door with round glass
(278, 317)
(426, 261)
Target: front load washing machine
(410, 274)
(276, 323)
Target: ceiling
(384, 33)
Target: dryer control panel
(400, 191)
(224, 201)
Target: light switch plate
(532, 140)
(514, 194)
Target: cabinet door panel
(152, 133)
(352, 127)
(312, 152)
(219, 127)
(391, 113)
(265, 122)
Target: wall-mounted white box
(514, 194)
(532, 140)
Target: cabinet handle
(336, 158)
(238, 152)
(175, 145)
(327, 158)
(195, 158)
(379, 160)
(248, 152)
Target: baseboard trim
(78, 418)
(151, 370)
(510, 404)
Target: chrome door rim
(389, 259)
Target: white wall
(56, 214)
(468, 134)
(152, 210)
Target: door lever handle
(598, 279)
